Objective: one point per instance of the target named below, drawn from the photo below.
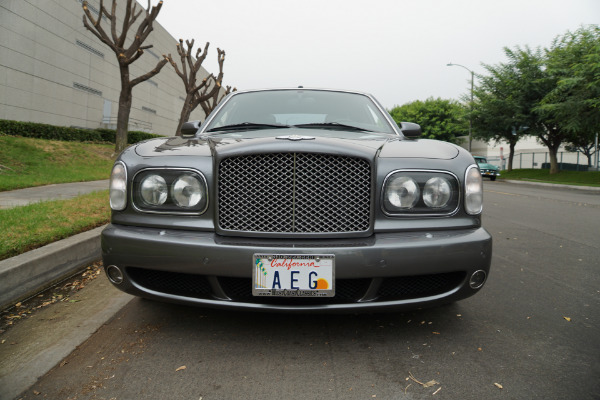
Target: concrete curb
(556, 185)
(26, 274)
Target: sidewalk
(62, 191)
(24, 275)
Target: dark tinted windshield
(301, 107)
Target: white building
(54, 71)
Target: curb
(26, 274)
(556, 185)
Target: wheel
(492, 178)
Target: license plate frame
(293, 275)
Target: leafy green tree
(505, 99)
(573, 63)
(440, 119)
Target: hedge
(52, 132)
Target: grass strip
(28, 227)
(26, 162)
(576, 178)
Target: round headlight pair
(403, 192)
(186, 191)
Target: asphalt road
(531, 333)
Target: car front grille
(188, 285)
(294, 193)
(408, 287)
(347, 291)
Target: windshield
(480, 160)
(302, 109)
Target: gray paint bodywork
(395, 246)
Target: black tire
(492, 178)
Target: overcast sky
(395, 50)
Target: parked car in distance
(487, 170)
(297, 200)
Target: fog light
(477, 279)
(115, 275)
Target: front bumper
(380, 260)
(489, 173)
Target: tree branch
(149, 74)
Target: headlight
(186, 191)
(437, 192)
(473, 191)
(409, 193)
(154, 190)
(118, 187)
(170, 191)
(402, 192)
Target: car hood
(306, 140)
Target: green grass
(28, 227)
(26, 162)
(577, 178)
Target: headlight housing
(153, 190)
(418, 192)
(401, 193)
(473, 191)
(118, 187)
(181, 191)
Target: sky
(396, 50)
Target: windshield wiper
(246, 126)
(332, 125)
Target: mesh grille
(171, 282)
(408, 287)
(346, 291)
(294, 193)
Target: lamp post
(471, 112)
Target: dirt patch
(61, 292)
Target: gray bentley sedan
(297, 200)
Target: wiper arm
(332, 125)
(247, 125)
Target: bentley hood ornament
(295, 137)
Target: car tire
(492, 178)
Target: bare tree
(215, 99)
(196, 93)
(125, 55)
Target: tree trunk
(186, 111)
(553, 160)
(125, 99)
(511, 156)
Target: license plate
(289, 275)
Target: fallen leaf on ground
(567, 318)
(430, 384)
(499, 386)
(181, 368)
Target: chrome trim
(170, 212)
(382, 110)
(420, 215)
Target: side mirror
(190, 128)
(410, 130)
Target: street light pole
(471, 105)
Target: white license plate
(287, 275)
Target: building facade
(54, 71)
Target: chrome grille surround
(295, 193)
